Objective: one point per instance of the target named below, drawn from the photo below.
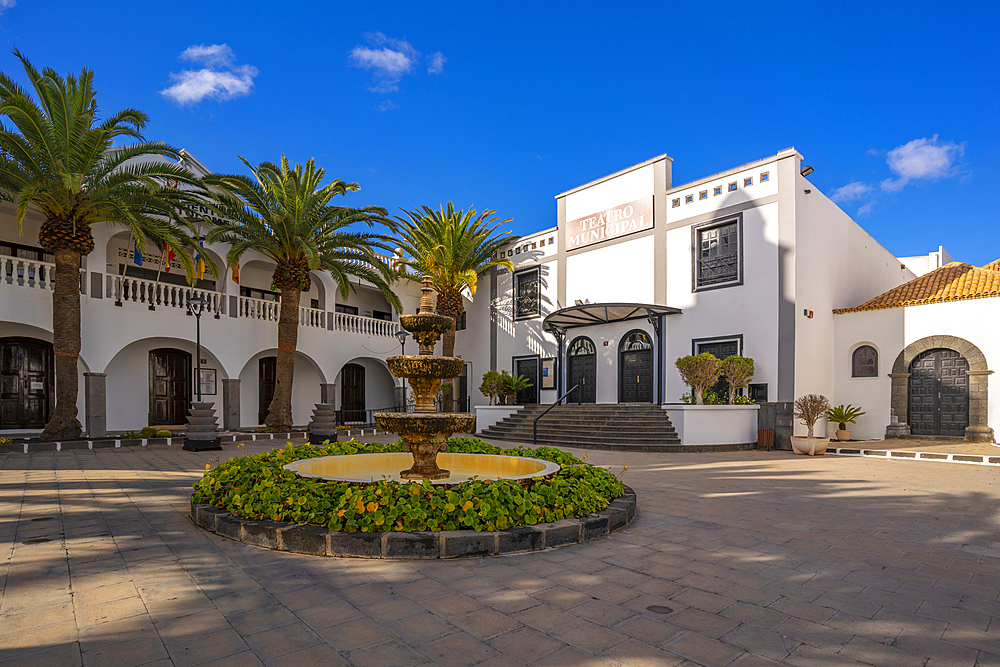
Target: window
(720, 349)
(526, 294)
(347, 310)
(717, 190)
(764, 177)
(460, 322)
(703, 194)
(247, 292)
(637, 340)
(718, 261)
(675, 202)
(747, 182)
(314, 304)
(517, 251)
(382, 315)
(541, 243)
(758, 392)
(864, 362)
(581, 346)
(688, 199)
(732, 186)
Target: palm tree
(454, 248)
(61, 160)
(285, 214)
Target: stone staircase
(640, 427)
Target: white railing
(27, 273)
(259, 309)
(364, 325)
(312, 317)
(125, 289)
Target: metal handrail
(534, 424)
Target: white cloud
(851, 192)
(436, 65)
(921, 159)
(388, 59)
(220, 79)
(6, 4)
(387, 105)
(866, 209)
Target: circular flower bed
(257, 487)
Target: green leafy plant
(148, 432)
(131, 435)
(491, 386)
(264, 429)
(742, 400)
(163, 433)
(259, 487)
(512, 384)
(699, 371)
(844, 415)
(738, 372)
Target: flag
(236, 272)
(200, 261)
(169, 257)
(137, 257)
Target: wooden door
(582, 357)
(635, 364)
(352, 393)
(266, 372)
(169, 386)
(529, 369)
(25, 375)
(939, 394)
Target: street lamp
(196, 306)
(401, 337)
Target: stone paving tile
(197, 649)
(134, 652)
(875, 572)
(458, 649)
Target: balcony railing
(120, 290)
(364, 325)
(139, 290)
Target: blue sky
(503, 106)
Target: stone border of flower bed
(30, 446)
(318, 541)
(910, 455)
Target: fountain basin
(411, 423)
(377, 467)
(425, 366)
(426, 322)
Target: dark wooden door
(582, 357)
(25, 373)
(352, 392)
(266, 372)
(720, 350)
(169, 386)
(636, 377)
(529, 369)
(939, 393)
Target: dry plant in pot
(808, 409)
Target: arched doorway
(169, 386)
(582, 356)
(939, 393)
(267, 372)
(25, 379)
(635, 368)
(352, 392)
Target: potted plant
(512, 384)
(808, 409)
(699, 371)
(843, 416)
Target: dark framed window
(637, 340)
(382, 315)
(718, 254)
(581, 346)
(864, 362)
(249, 292)
(758, 392)
(460, 322)
(526, 301)
(720, 348)
(347, 310)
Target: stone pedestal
(895, 429)
(323, 425)
(979, 434)
(95, 386)
(230, 405)
(202, 430)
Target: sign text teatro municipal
(635, 216)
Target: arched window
(637, 340)
(864, 362)
(581, 346)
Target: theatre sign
(612, 223)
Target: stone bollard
(202, 430)
(323, 425)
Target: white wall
(890, 331)
(621, 273)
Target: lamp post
(196, 306)
(401, 337)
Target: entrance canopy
(589, 314)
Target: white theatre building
(634, 273)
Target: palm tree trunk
(63, 425)
(279, 413)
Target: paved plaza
(742, 558)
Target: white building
(136, 331)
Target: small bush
(164, 433)
(257, 487)
(148, 432)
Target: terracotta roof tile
(952, 282)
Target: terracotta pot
(809, 446)
(843, 435)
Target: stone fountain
(425, 432)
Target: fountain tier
(373, 467)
